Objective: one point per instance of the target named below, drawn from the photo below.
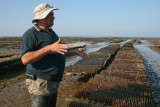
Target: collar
(39, 29)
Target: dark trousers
(44, 101)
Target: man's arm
(78, 51)
(34, 56)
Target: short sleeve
(29, 43)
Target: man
(43, 54)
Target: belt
(29, 76)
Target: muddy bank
(14, 93)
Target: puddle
(152, 62)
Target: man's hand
(80, 53)
(59, 48)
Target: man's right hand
(58, 47)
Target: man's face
(49, 20)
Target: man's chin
(51, 24)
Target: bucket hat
(41, 11)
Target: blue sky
(86, 18)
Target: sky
(85, 18)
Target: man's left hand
(80, 52)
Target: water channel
(152, 62)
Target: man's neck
(43, 27)
(41, 24)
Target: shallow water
(152, 62)
(3, 50)
(122, 43)
(91, 47)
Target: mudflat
(14, 93)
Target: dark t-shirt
(51, 66)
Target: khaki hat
(41, 11)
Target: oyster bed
(95, 62)
(118, 85)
